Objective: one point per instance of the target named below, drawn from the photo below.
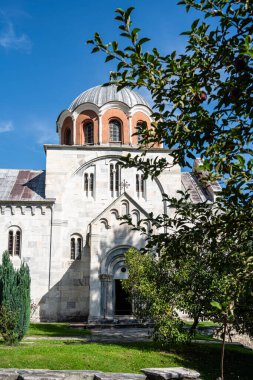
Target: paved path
(117, 334)
(105, 335)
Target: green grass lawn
(51, 353)
(55, 329)
(127, 357)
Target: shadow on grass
(55, 330)
(204, 358)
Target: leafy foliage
(203, 107)
(14, 300)
(203, 98)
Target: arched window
(115, 131)
(68, 137)
(139, 128)
(72, 249)
(14, 241)
(114, 178)
(88, 133)
(89, 182)
(75, 247)
(140, 185)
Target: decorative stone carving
(105, 277)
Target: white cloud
(9, 39)
(6, 126)
(44, 132)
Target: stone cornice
(106, 148)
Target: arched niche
(67, 132)
(83, 119)
(121, 117)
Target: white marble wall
(75, 285)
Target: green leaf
(109, 58)
(95, 50)
(216, 304)
(143, 40)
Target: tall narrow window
(137, 183)
(89, 182)
(68, 138)
(111, 176)
(10, 243)
(140, 185)
(86, 182)
(139, 128)
(117, 177)
(75, 247)
(72, 248)
(115, 131)
(114, 179)
(88, 133)
(14, 241)
(79, 248)
(17, 243)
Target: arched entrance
(122, 304)
(114, 300)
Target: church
(64, 221)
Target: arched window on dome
(68, 137)
(139, 128)
(114, 131)
(14, 241)
(89, 133)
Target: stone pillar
(100, 128)
(106, 296)
(130, 128)
(74, 129)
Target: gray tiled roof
(197, 192)
(22, 185)
(101, 95)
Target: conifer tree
(14, 300)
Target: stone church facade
(64, 222)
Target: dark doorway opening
(122, 304)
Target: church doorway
(114, 300)
(123, 306)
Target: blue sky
(45, 63)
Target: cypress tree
(14, 300)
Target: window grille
(115, 131)
(17, 243)
(89, 133)
(10, 243)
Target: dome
(101, 95)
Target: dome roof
(101, 95)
